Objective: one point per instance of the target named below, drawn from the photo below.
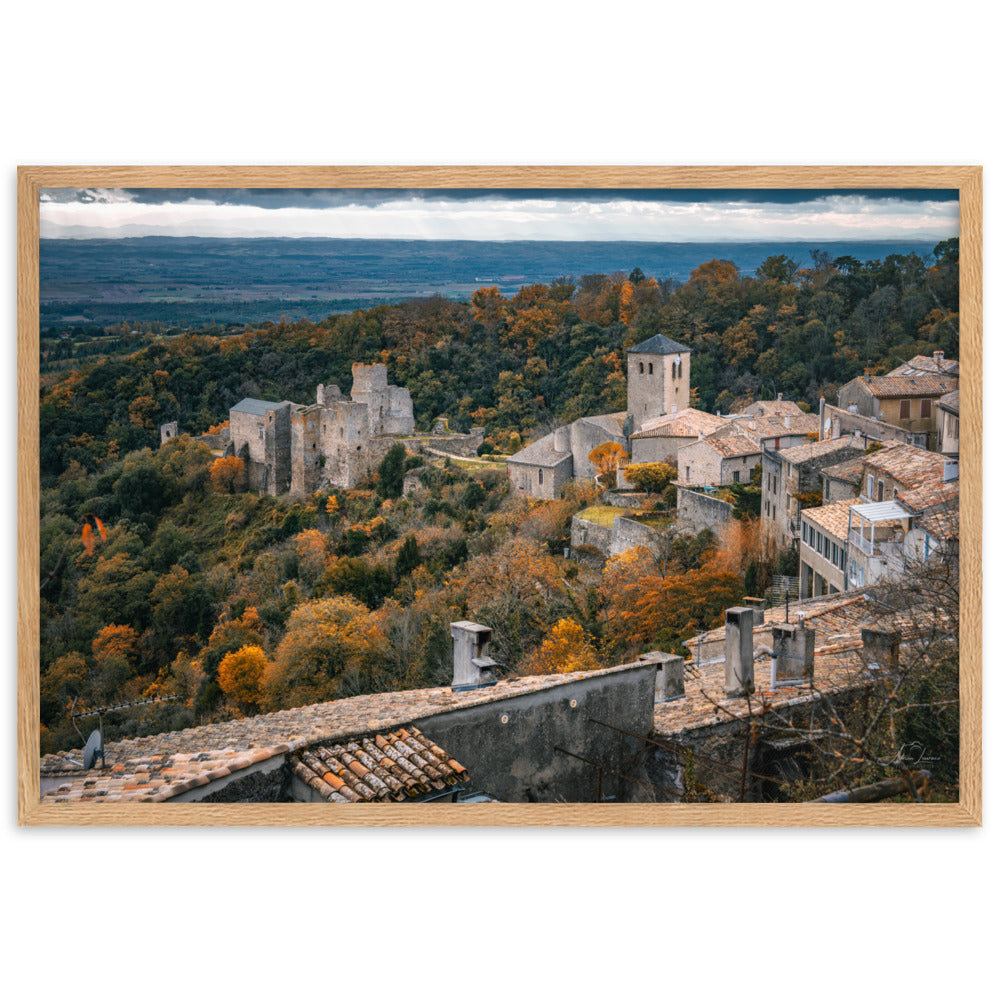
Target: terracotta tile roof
(730, 442)
(942, 524)
(830, 614)
(385, 767)
(949, 401)
(774, 407)
(771, 425)
(848, 472)
(887, 386)
(921, 363)
(831, 517)
(816, 449)
(909, 465)
(153, 777)
(930, 495)
(686, 423)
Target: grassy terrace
(602, 515)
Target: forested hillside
(237, 603)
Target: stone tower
(659, 373)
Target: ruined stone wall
(630, 534)
(345, 444)
(278, 449)
(247, 430)
(307, 458)
(584, 532)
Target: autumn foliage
(566, 649)
(228, 474)
(241, 673)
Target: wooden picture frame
(967, 180)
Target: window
(881, 490)
(826, 548)
(925, 408)
(687, 473)
(736, 475)
(679, 369)
(904, 409)
(744, 460)
(871, 486)
(642, 368)
(539, 475)
(826, 490)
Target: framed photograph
(481, 496)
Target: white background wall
(450, 82)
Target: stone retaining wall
(697, 511)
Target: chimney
(879, 649)
(788, 422)
(562, 440)
(473, 668)
(822, 415)
(669, 683)
(779, 396)
(939, 358)
(739, 652)
(792, 655)
(757, 604)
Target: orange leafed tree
(241, 674)
(565, 650)
(228, 474)
(116, 640)
(607, 457)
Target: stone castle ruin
(337, 441)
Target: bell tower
(659, 374)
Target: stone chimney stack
(739, 652)
(939, 358)
(792, 655)
(669, 683)
(473, 668)
(880, 650)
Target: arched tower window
(642, 368)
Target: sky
(501, 214)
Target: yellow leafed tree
(565, 650)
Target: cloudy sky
(656, 215)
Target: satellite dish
(93, 750)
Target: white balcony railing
(865, 544)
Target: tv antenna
(95, 742)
